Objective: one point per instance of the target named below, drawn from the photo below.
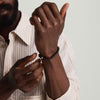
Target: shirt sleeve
(67, 56)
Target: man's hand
(49, 24)
(26, 78)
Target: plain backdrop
(83, 29)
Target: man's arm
(5, 88)
(57, 82)
(66, 54)
(47, 32)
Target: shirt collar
(24, 29)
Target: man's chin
(5, 25)
(5, 21)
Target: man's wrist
(6, 89)
(50, 56)
(6, 81)
(48, 53)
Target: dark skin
(18, 77)
(5, 31)
(47, 31)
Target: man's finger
(34, 74)
(53, 8)
(25, 60)
(48, 13)
(30, 68)
(41, 14)
(36, 22)
(63, 10)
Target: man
(23, 74)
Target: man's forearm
(5, 89)
(57, 82)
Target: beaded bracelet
(48, 58)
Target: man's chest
(16, 50)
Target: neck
(5, 31)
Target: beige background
(83, 29)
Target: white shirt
(21, 45)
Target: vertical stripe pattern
(22, 44)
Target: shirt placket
(8, 55)
(3, 47)
(8, 58)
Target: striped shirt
(21, 45)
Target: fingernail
(67, 5)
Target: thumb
(22, 62)
(29, 58)
(63, 10)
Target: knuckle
(38, 10)
(45, 3)
(39, 78)
(43, 6)
(42, 30)
(34, 17)
(34, 75)
(53, 4)
(55, 23)
(61, 22)
(48, 26)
